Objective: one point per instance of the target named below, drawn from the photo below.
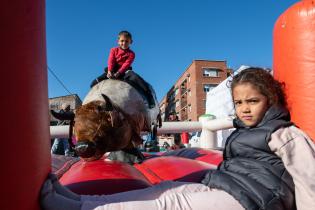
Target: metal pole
(61, 131)
(167, 127)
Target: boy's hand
(117, 75)
(109, 75)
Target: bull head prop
(100, 127)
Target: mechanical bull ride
(293, 31)
(110, 120)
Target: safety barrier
(206, 124)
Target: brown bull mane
(97, 121)
(102, 126)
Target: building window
(208, 87)
(184, 85)
(210, 72)
(54, 106)
(177, 103)
(188, 76)
(171, 96)
(189, 108)
(176, 91)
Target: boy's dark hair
(264, 82)
(125, 34)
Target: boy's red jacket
(120, 59)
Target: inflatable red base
(108, 177)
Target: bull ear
(108, 103)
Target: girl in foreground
(268, 163)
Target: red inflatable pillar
(294, 61)
(25, 158)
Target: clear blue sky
(168, 35)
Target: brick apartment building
(55, 103)
(187, 97)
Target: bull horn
(108, 103)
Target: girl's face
(250, 104)
(124, 42)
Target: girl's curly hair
(264, 82)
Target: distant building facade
(187, 97)
(55, 104)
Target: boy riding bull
(118, 107)
(119, 67)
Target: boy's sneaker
(94, 82)
(98, 80)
